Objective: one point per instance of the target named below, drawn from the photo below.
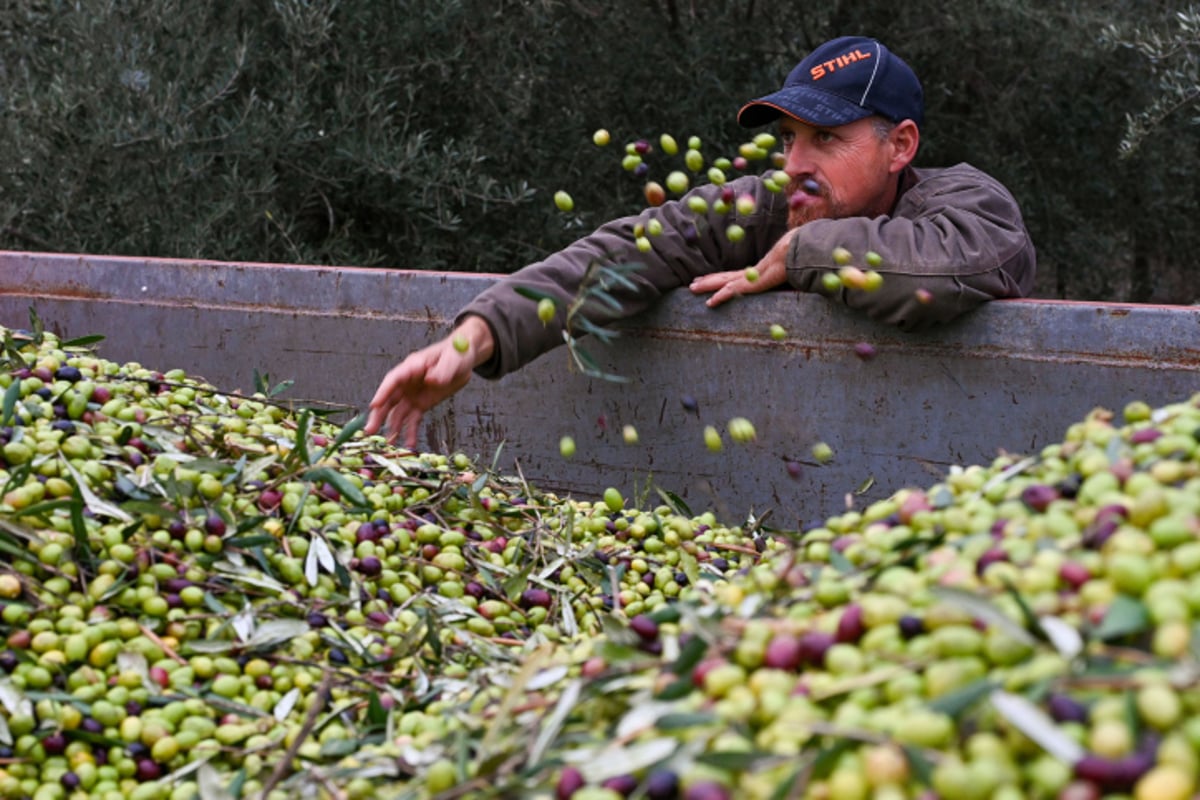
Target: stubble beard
(800, 215)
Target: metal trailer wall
(1010, 376)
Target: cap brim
(803, 103)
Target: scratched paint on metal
(1010, 376)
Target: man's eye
(825, 136)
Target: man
(849, 120)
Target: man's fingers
(407, 424)
(375, 418)
(726, 292)
(712, 282)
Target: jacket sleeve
(689, 245)
(954, 241)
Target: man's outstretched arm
(426, 378)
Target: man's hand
(772, 272)
(426, 378)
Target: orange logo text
(834, 64)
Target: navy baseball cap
(843, 80)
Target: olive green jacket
(955, 233)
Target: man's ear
(904, 139)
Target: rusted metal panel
(1010, 376)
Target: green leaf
(249, 524)
(517, 583)
(338, 481)
(922, 770)
(1125, 616)
(301, 449)
(840, 562)
(685, 719)
(257, 540)
(35, 325)
(675, 502)
(261, 382)
(611, 582)
(676, 689)
(39, 509)
(376, 714)
(1133, 718)
(609, 273)
(956, 702)
(83, 341)
(214, 605)
(607, 299)
(238, 783)
(590, 367)
(784, 790)
(337, 748)
(941, 497)
(585, 325)
(535, 295)
(665, 613)
(1031, 620)
(344, 435)
(280, 388)
(11, 395)
(827, 757)
(84, 553)
(736, 761)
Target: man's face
(852, 164)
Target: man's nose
(799, 161)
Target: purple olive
(784, 651)
(662, 784)
(1114, 774)
(535, 597)
(813, 647)
(706, 790)
(214, 525)
(911, 627)
(623, 785)
(850, 625)
(148, 770)
(993, 556)
(54, 744)
(1064, 708)
(1144, 436)
(569, 782)
(644, 627)
(1099, 532)
(1039, 496)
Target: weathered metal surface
(1010, 376)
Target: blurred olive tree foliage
(431, 134)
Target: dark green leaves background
(432, 134)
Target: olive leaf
(1037, 725)
(1125, 616)
(982, 608)
(94, 503)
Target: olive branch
(595, 288)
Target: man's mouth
(809, 191)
